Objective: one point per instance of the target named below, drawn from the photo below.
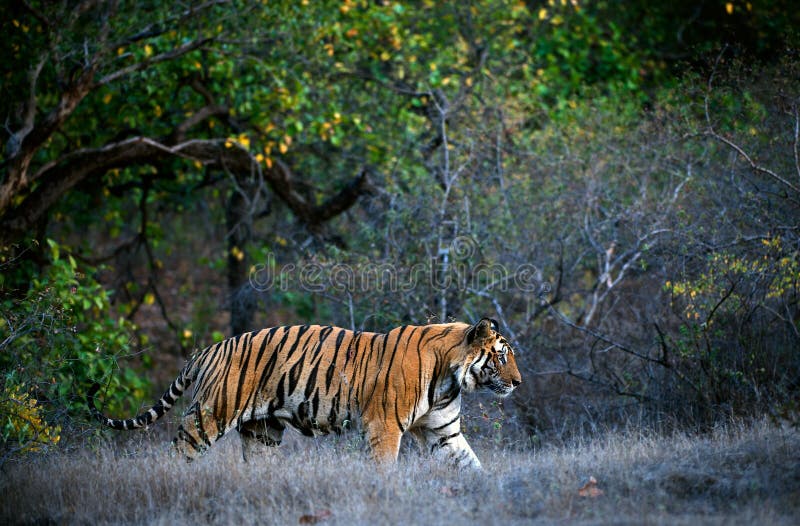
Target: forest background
(619, 186)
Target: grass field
(740, 474)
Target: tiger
(316, 379)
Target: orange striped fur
(315, 379)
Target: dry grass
(743, 474)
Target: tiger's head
(490, 362)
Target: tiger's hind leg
(258, 435)
(198, 432)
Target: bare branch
(797, 138)
(14, 143)
(753, 165)
(602, 337)
(738, 149)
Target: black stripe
(201, 432)
(332, 366)
(360, 369)
(248, 351)
(437, 428)
(397, 417)
(432, 388)
(389, 369)
(448, 398)
(443, 441)
(310, 381)
(301, 330)
(279, 392)
(266, 373)
(252, 394)
(294, 376)
(185, 437)
(419, 372)
(232, 349)
(315, 404)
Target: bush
(58, 336)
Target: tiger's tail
(158, 410)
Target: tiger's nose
(515, 382)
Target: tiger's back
(316, 378)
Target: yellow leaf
(187, 334)
(729, 8)
(120, 50)
(283, 148)
(148, 50)
(542, 13)
(107, 98)
(149, 298)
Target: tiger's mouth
(500, 388)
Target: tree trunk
(242, 298)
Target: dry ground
(742, 474)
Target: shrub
(58, 336)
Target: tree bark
(242, 299)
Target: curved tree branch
(58, 177)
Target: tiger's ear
(481, 330)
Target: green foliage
(58, 337)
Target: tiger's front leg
(384, 442)
(444, 441)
